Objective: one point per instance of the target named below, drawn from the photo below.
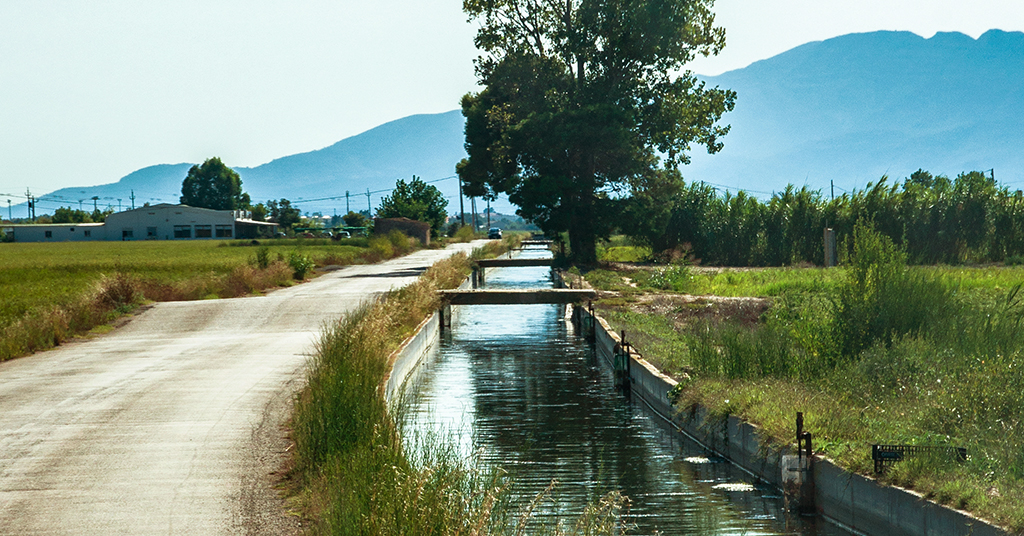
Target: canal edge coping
(852, 501)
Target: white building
(157, 222)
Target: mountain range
(848, 110)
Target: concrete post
(831, 259)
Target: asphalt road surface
(173, 423)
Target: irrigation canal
(516, 385)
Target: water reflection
(515, 384)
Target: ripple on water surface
(516, 385)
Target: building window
(127, 233)
(72, 229)
(49, 234)
(151, 232)
(182, 231)
(204, 231)
(87, 233)
(224, 231)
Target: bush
(300, 264)
(881, 299)
(262, 260)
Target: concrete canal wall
(849, 500)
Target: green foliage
(259, 212)
(213, 185)
(969, 219)
(262, 260)
(301, 264)
(881, 299)
(578, 102)
(68, 215)
(355, 219)
(416, 200)
(283, 213)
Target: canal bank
(536, 399)
(849, 500)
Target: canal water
(516, 386)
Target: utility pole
(80, 204)
(369, 209)
(9, 215)
(31, 205)
(472, 201)
(488, 214)
(119, 205)
(832, 183)
(133, 199)
(462, 208)
(347, 210)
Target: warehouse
(156, 222)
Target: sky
(91, 90)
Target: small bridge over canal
(516, 296)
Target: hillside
(849, 109)
(859, 106)
(426, 145)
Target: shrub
(301, 264)
(881, 299)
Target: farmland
(872, 352)
(52, 292)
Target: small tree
(213, 185)
(283, 213)
(259, 212)
(355, 219)
(416, 200)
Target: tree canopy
(416, 200)
(213, 185)
(584, 104)
(283, 213)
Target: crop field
(875, 351)
(50, 292)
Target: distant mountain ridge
(855, 107)
(848, 109)
(427, 145)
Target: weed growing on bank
(353, 472)
(883, 353)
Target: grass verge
(52, 292)
(875, 352)
(354, 474)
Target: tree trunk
(582, 238)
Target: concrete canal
(515, 383)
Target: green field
(50, 292)
(872, 352)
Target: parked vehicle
(494, 233)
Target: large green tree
(584, 103)
(213, 185)
(416, 200)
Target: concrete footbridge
(516, 296)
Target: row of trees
(937, 220)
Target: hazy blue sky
(91, 90)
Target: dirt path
(172, 423)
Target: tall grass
(353, 472)
(886, 354)
(51, 292)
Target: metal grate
(886, 455)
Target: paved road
(172, 423)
